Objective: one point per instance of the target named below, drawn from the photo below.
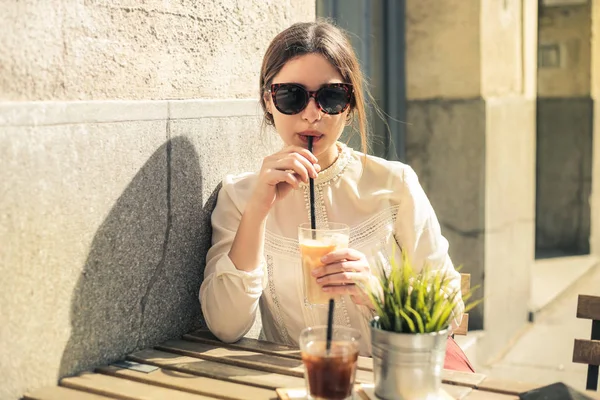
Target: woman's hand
(282, 172)
(344, 269)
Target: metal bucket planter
(408, 366)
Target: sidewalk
(544, 351)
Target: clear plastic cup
(329, 374)
(314, 244)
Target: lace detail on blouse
(340, 315)
(334, 170)
(328, 176)
(279, 324)
(376, 228)
(281, 245)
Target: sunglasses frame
(313, 94)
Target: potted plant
(413, 316)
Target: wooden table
(201, 367)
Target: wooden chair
(588, 351)
(465, 285)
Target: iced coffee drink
(314, 244)
(329, 374)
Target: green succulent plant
(414, 302)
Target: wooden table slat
(245, 358)
(505, 387)
(448, 392)
(456, 392)
(62, 393)
(484, 395)
(215, 370)
(261, 346)
(294, 393)
(125, 389)
(192, 383)
(462, 378)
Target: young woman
(311, 85)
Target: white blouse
(382, 202)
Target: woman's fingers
(297, 166)
(341, 267)
(275, 177)
(350, 289)
(302, 151)
(289, 177)
(342, 254)
(342, 278)
(295, 162)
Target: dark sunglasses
(291, 98)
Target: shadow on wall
(140, 282)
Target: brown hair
(331, 42)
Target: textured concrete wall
(501, 47)
(442, 49)
(509, 218)
(125, 49)
(104, 205)
(569, 29)
(564, 176)
(445, 140)
(104, 227)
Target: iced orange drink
(314, 244)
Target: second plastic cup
(329, 373)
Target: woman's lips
(304, 138)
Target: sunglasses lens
(290, 99)
(334, 100)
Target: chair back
(588, 351)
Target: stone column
(471, 139)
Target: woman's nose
(312, 112)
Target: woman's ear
(268, 102)
(349, 117)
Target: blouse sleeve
(418, 232)
(229, 297)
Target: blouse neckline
(337, 168)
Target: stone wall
(105, 203)
(150, 49)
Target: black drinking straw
(329, 325)
(313, 225)
(311, 181)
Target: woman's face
(311, 71)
